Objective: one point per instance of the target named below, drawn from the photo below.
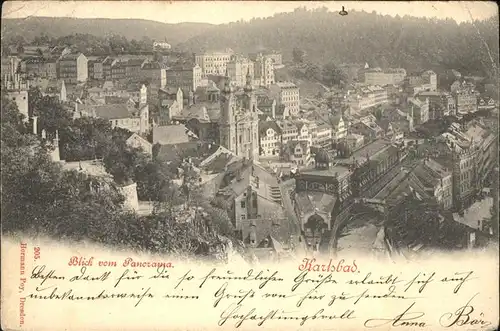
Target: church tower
(250, 106)
(227, 123)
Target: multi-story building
(465, 99)
(214, 63)
(270, 139)
(17, 90)
(264, 70)
(470, 152)
(420, 110)
(107, 63)
(437, 179)
(238, 68)
(298, 152)
(323, 136)
(441, 104)
(50, 68)
(239, 121)
(171, 103)
(33, 66)
(287, 94)
(133, 68)
(367, 97)
(381, 77)
(422, 81)
(73, 68)
(160, 45)
(154, 73)
(187, 78)
(120, 115)
(10, 65)
(118, 71)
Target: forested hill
(409, 42)
(31, 27)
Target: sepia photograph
(249, 134)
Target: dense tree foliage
(409, 42)
(39, 197)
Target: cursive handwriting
(37, 273)
(402, 319)
(463, 317)
(250, 276)
(233, 313)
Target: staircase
(275, 194)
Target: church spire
(228, 88)
(248, 86)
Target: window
(243, 205)
(243, 217)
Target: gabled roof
(172, 134)
(109, 112)
(265, 125)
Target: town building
(441, 104)
(73, 68)
(465, 98)
(187, 78)
(161, 45)
(239, 121)
(10, 65)
(367, 97)
(420, 110)
(270, 139)
(120, 115)
(16, 89)
(238, 68)
(297, 152)
(171, 103)
(214, 63)
(154, 73)
(319, 197)
(391, 76)
(287, 95)
(133, 68)
(437, 180)
(136, 141)
(264, 70)
(95, 67)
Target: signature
(407, 318)
(463, 317)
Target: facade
(264, 70)
(132, 119)
(238, 68)
(420, 110)
(297, 152)
(441, 104)
(437, 180)
(239, 121)
(17, 91)
(287, 95)
(367, 97)
(465, 99)
(73, 68)
(118, 71)
(270, 139)
(133, 68)
(154, 73)
(319, 196)
(214, 63)
(10, 65)
(171, 103)
(381, 77)
(184, 77)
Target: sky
(220, 12)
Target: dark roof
(72, 56)
(264, 125)
(112, 111)
(278, 229)
(135, 62)
(172, 134)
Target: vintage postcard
(249, 165)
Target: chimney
(44, 134)
(35, 125)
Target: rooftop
(172, 134)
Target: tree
(333, 76)
(298, 55)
